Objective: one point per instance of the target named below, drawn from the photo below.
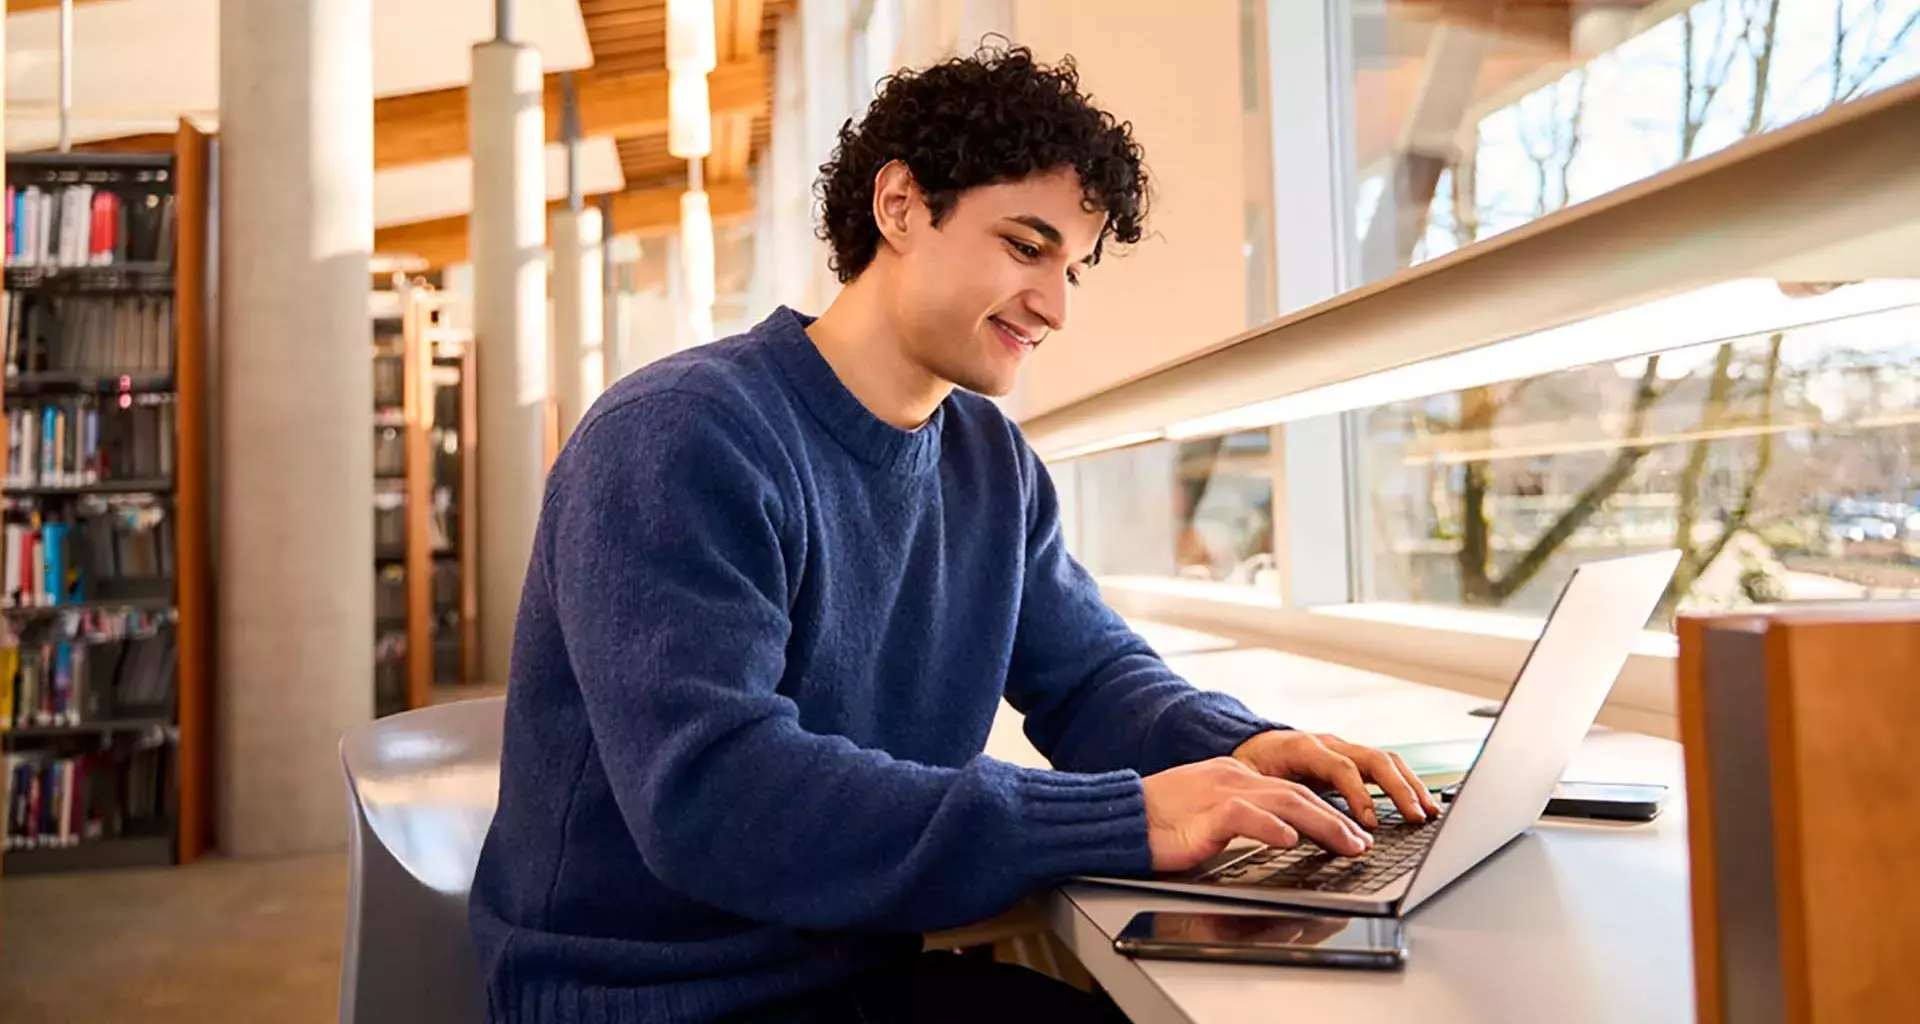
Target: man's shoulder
(728, 386)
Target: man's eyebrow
(1048, 232)
(1039, 224)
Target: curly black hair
(994, 117)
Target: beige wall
(1173, 70)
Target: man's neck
(858, 338)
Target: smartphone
(1313, 940)
(1603, 801)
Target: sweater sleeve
(662, 547)
(1096, 697)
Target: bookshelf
(104, 660)
(425, 602)
(456, 591)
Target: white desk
(1569, 924)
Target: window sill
(1469, 650)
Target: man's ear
(895, 198)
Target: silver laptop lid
(1549, 709)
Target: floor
(220, 941)
(216, 942)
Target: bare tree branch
(1520, 387)
(1742, 512)
(1873, 64)
(1475, 556)
(1646, 395)
(1687, 504)
(1466, 209)
(1694, 563)
(1573, 136)
(1839, 53)
(1762, 66)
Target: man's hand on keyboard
(1347, 767)
(1195, 810)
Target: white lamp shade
(690, 120)
(690, 43)
(696, 248)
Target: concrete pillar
(508, 225)
(579, 324)
(609, 297)
(624, 254)
(295, 500)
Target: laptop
(1548, 710)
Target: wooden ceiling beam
(732, 147)
(656, 17)
(426, 126)
(151, 142)
(744, 39)
(619, 40)
(595, 8)
(654, 210)
(636, 211)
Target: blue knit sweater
(762, 639)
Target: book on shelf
(102, 549)
(390, 593)
(81, 441)
(106, 335)
(85, 679)
(389, 451)
(56, 797)
(389, 673)
(442, 521)
(389, 381)
(389, 521)
(88, 225)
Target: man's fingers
(1313, 817)
(1389, 776)
(1241, 818)
(1339, 769)
(1427, 799)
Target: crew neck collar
(870, 438)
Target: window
(1198, 510)
(1730, 381)
(1563, 107)
(1785, 467)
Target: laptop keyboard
(1398, 846)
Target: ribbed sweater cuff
(1202, 729)
(1084, 824)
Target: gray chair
(422, 786)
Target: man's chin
(989, 386)
(997, 384)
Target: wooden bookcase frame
(189, 165)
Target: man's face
(984, 289)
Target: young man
(782, 582)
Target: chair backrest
(422, 786)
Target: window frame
(1579, 262)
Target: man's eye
(1073, 278)
(1026, 251)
